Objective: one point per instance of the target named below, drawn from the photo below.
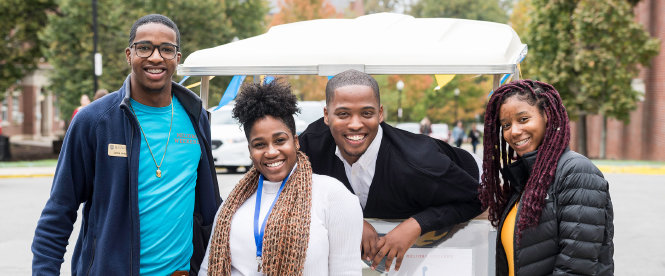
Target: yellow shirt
(508, 236)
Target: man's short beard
(355, 155)
(155, 91)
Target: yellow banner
(442, 80)
(196, 84)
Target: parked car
(410, 127)
(310, 111)
(229, 144)
(228, 141)
(440, 131)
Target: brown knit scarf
(287, 230)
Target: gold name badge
(117, 150)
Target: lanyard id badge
(258, 232)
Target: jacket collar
(519, 171)
(190, 101)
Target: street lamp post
(400, 86)
(456, 100)
(96, 57)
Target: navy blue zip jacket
(109, 243)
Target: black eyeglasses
(166, 50)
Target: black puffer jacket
(575, 231)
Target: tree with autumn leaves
(420, 98)
(306, 87)
(590, 51)
(299, 10)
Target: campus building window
(4, 112)
(17, 115)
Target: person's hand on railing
(396, 243)
(369, 240)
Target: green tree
(590, 51)
(520, 16)
(420, 99)
(377, 6)
(470, 103)
(20, 24)
(486, 10)
(202, 24)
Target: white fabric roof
(384, 43)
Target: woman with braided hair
(281, 219)
(553, 211)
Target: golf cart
(383, 44)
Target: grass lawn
(38, 163)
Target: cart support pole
(205, 87)
(495, 81)
(517, 76)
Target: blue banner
(183, 80)
(231, 91)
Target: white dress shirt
(361, 173)
(334, 235)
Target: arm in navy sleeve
(71, 186)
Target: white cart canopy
(377, 44)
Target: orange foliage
(301, 10)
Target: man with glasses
(139, 160)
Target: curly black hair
(256, 101)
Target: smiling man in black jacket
(394, 173)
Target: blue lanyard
(258, 233)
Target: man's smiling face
(153, 73)
(353, 115)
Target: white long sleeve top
(334, 236)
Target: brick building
(644, 137)
(28, 112)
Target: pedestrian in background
(84, 101)
(552, 210)
(474, 136)
(100, 93)
(458, 134)
(314, 224)
(149, 199)
(425, 126)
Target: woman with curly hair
(281, 219)
(553, 211)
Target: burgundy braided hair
(556, 140)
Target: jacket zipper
(517, 216)
(131, 214)
(499, 228)
(92, 259)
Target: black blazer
(416, 176)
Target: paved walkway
(607, 167)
